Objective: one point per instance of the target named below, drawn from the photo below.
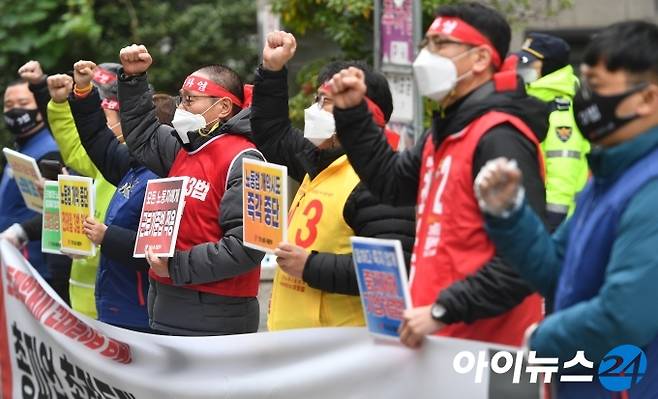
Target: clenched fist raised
(32, 72)
(348, 87)
(59, 87)
(279, 49)
(83, 72)
(135, 59)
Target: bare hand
(83, 72)
(32, 72)
(279, 49)
(348, 87)
(60, 86)
(135, 59)
(159, 265)
(291, 259)
(497, 186)
(94, 230)
(418, 323)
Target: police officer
(544, 66)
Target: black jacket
(394, 177)
(156, 146)
(283, 144)
(113, 160)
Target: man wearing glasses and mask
(209, 286)
(459, 286)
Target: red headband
(248, 95)
(103, 76)
(110, 104)
(377, 114)
(461, 30)
(203, 85)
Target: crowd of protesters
(527, 213)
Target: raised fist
(32, 72)
(60, 86)
(497, 186)
(135, 59)
(348, 87)
(279, 49)
(83, 72)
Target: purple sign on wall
(397, 36)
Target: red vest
(451, 241)
(207, 169)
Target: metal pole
(418, 37)
(377, 54)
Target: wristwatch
(437, 311)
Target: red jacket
(451, 241)
(208, 168)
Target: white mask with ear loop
(436, 75)
(319, 124)
(184, 122)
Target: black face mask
(596, 115)
(21, 120)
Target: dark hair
(228, 79)
(486, 20)
(165, 107)
(377, 85)
(630, 46)
(16, 82)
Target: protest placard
(50, 232)
(264, 204)
(383, 284)
(27, 177)
(160, 219)
(76, 203)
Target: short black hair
(486, 20)
(228, 79)
(16, 82)
(377, 88)
(630, 46)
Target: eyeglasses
(321, 100)
(435, 44)
(188, 100)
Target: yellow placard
(76, 201)
(264, 204)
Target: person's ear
(649, 104)
(223, 108)
(482, 56)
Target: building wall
(584, 18)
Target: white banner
(49, 351)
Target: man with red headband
(209, 286)
(459, 286)
(315, 284)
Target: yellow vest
(317, 224)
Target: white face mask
(436, 75)
(318, 124)
(528, 75)
(185, 121)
